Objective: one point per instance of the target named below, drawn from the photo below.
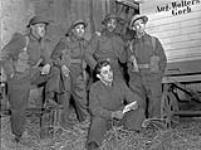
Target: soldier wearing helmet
(22, 59)
(146, 65)
(109, 46)
(69, 56)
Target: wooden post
(93, 29)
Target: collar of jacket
(33, 38)
(144, 35)
(74, 38)
(107, 84)
(108, 34)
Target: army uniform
(109, 46)
(103, 100)
(146, 71)
(21, 59)
(70, 51)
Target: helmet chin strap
(140, 34)
(35, 35)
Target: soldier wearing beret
(106, 102)
(108, 45)
(26, 63)
(146, 65)
(69, 56)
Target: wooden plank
(170, 13)
(182, 59)
(193, 29)
(151, 6)
(97, 14)
(176, 19)
(156, 16)
(193, 51)
(188, 113)
(153, 10)
(176, 53)
(183, 55)
(182, 38)
(180, 35)
(187, 78)
(146, 3)
(186, 56)
(169, 35)
(128, 3)
(174, 26)
(183, 45)
(183, 67)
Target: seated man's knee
(92, 146)
(134, 119)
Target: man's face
(106, 74)
(39, 30)
(111, 24)
(79, 30)
(139, 26)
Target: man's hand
(134, 63)
(132, 58)
(117, 114)
(12, 75)
(131, 106)
(46, 69)
(65, 70)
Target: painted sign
(178, 7)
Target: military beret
(74, 24)
(137, 17)
(37, 20)
(112, 16)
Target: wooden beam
(132, 4)
(184, 78)
(92, 23)
(188, 113)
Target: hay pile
(186, 136)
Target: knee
(92, 146)
(134, 119)
(97, 131)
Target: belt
(143, 66)
(19, 75)
(110, 59)
(75, 61)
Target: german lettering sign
(178, 7)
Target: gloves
(117, 114)
(134, 63)
(65, 70)
(46, 69)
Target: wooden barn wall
(178, 28)
(15, 14)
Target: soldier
(106, 102)
(69, 56)
(21, 59)
(146, 65)
(109, 46)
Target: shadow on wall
(14, 17)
